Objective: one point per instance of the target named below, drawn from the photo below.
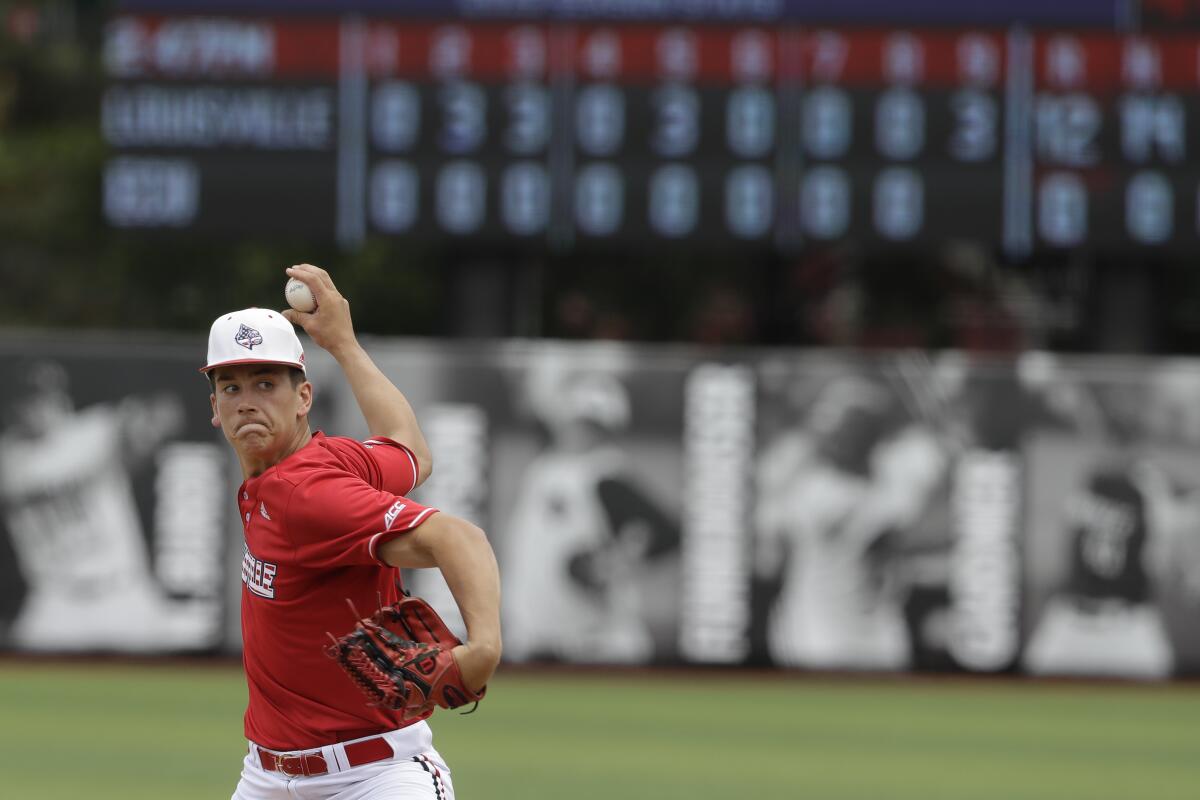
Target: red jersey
(313, 525)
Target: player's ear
(216, 420)
(306, 396)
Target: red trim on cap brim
(241, 361)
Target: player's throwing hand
(329, 324)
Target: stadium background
(778, 340)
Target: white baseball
(299, 296)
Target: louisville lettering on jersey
(259, 576)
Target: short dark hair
(296, 375)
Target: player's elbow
(424, 458)
(443, 538)
(467, 535)
(424, 466)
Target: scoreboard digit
(459, 121)
(673, 134)
(901, 135)
(1111, 141)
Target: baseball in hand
(299, 296)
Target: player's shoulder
(322, 454)
(337, 446)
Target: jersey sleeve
(382, 462)
(396, 463)
(338, 519)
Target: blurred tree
(63, 267)
(49, 149)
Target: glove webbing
(376, 673)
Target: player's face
(259, 409)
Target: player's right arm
(384, 407)
(462, 553)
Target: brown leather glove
(401, 658)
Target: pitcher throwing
(327, 519)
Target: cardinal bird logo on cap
(247, 337)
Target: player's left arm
(460, 550)
(384, 407)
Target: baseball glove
(401, 658)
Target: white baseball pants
(413, 771)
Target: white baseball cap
(253, 336)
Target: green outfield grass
(171, 732)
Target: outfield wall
(656, 505)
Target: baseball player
(1105, 618)
(831, 493)
(67, 497)
(327, 520)
(587, 547)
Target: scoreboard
(570, 134)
